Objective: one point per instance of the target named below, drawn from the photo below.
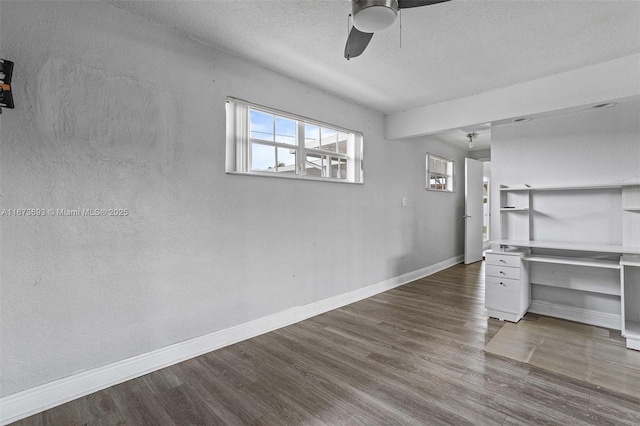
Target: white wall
(590, 147)
(115, 112)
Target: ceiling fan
(370, 16)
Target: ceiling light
(471, 137)
(521, 119)
(370, 16)
(601, 106)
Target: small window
(439, 174)
(264, 141)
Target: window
(439, 173)
(263, 141)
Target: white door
(473, 213)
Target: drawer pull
(501, 283)
(503, 261)
(502, 272)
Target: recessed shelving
(604, 271)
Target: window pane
(329, 140)
(342, 169)
(261, 125)
(286, 160)
(439, 173)
(285, 131)
(313, 165)
(438, 182)
(311, 136)
(263, 158)
(333, 167)
(262, 140)
(343, 139)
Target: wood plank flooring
(411, 356)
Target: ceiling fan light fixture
(370, 16)
(471, 137)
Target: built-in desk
(625, 284)
(597, 284)
(595, 248)
(630, 304)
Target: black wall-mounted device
(6, 72)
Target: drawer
(502, 285)
(502, 260)
(502, 294)
(502, 271)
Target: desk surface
(599, 248)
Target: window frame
(239, 145)
(450, 183)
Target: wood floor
(412, 355)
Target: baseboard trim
(572, 313)
(34, 400)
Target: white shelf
(515, 189)
(571, 187)
(596, 248)
(594, 263)
(515, 209)
(631, 209)
(630, 260)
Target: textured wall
(115, 112)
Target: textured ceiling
(449, 50)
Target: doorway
(477, 216)
(486, 204)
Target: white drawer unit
(502, 272)
(507, 290)
(502, 294)
(502, 260)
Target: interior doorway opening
(486, 204)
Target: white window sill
(440, 190)
(293, 177)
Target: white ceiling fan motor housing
(370, 16)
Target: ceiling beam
(605, 82)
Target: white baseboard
(34, 400)
(571, 313)
(633, 344)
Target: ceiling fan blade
(406, 4)
(356, 43)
